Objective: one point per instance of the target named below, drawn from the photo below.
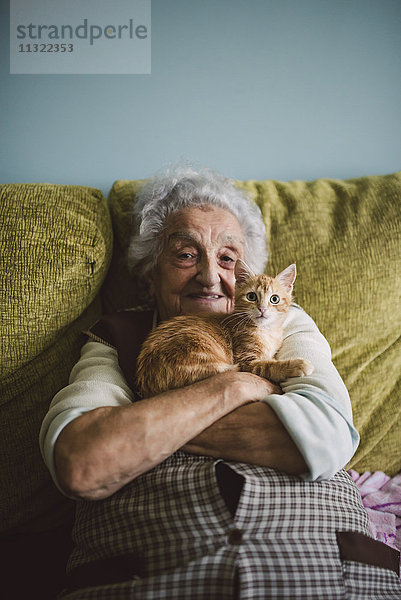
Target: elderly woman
(218, 489)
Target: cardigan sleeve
(96, 380)
(316, 409)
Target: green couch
(60, 270)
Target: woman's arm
(253, 434)
(314, 412)
(101, 440)
(112, 440)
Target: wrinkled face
(195, 272)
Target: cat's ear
(287, 277)
(242, 272)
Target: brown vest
(125, 331)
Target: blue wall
(255, 88)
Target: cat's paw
(259, 367)
(299, 367)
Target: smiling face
(195, 272)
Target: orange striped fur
(190, 347)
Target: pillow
(55, 248)
(345, 237)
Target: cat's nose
(262, 310)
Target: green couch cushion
(345, 237)
(119, 290)
(55, 248)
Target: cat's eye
(251, 296)
(274, 299)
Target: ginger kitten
(187, 348)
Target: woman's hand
(251, 434)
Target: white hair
(182, 187)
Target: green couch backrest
(55, 249)
(345, 237)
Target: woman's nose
(208, 274)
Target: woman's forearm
(105, 448)
(252, 434)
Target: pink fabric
(381, 496)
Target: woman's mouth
(206, 301)
(205, 296)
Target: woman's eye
(186, 255)
(251, 296)
(226, 259)
(274, 299)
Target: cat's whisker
(242, 319)
(236, 315)
(240, 324)
(234, 323)
(245, 321)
